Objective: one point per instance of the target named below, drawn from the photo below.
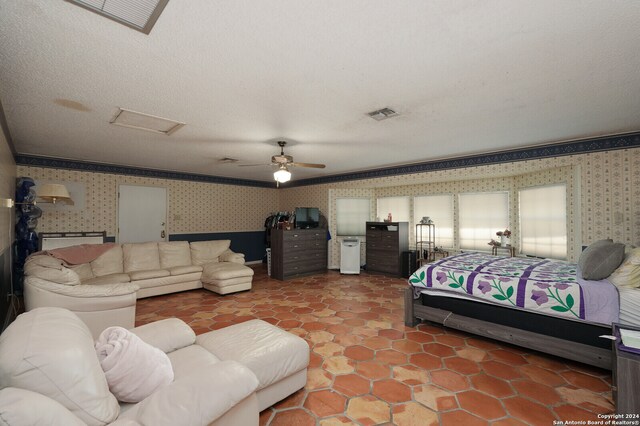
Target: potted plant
(504, 237)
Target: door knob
(162, 234)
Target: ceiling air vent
(140, 15)
(382, 114)
(228, 160)
(140, 121)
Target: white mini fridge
(350, 256)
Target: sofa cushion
(271, 353)
(17, 408)
(63, 276)
(50, 351)
(108, 263)
(203, 252)
(174, 253)
(83, 270)
(147, 275)
(44, 261)
(108, 279)
(140, 257)
(225, 270)
(181, 270)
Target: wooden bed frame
(569, 339)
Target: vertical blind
(440, 209)
(351, 215)
(543, 221)
(481, 216)
(397, 206)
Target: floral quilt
(541, 285)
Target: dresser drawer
(291, 236)
(306, 257)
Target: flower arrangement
(494, 243)
(506, 233)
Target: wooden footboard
(415, 311)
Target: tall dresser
(298, 252)
(385, 243)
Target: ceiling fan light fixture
(282, 175)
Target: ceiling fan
(283, 162)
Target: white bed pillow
(628, 273)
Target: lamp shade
(54, 192)
(282, 175)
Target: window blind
(440, 209)
(481, 216)
(351, 215)
(397, 206)
(543, 221)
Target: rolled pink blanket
(134, 369)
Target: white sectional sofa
(50, 373)
(103, 292)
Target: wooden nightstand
(626, 375)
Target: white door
(142, 214)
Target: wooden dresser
(298, 252)
(385, 243)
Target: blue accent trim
(57, 163)
(251, 243)
(604, 143)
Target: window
(397, 206)
(543, 221)
(440, 209)
(351, 215)
(481, 216)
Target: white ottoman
(278, 358)
(226, 277)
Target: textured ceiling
(465, 76)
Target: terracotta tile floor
(368, 368)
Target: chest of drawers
(298, 252)
(385, 243)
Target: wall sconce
(49, 193)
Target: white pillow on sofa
(134, 369)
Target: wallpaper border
(604, 143)
(59, 163)
(588, 145)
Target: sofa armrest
(83, 290)
(233, 257)
(24, 407)
(167, 335)
(197, 399)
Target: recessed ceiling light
(382, 114)
(140, 15)
(140, 121)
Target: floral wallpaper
(603, 202)
(194, 207)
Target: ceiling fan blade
(310, 165)
(254, 165)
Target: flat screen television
(307, 217)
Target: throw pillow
(628, 274)
(134, 369)
(600, 259)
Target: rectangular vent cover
(382, 114)
(140, 15)
(151, 123)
